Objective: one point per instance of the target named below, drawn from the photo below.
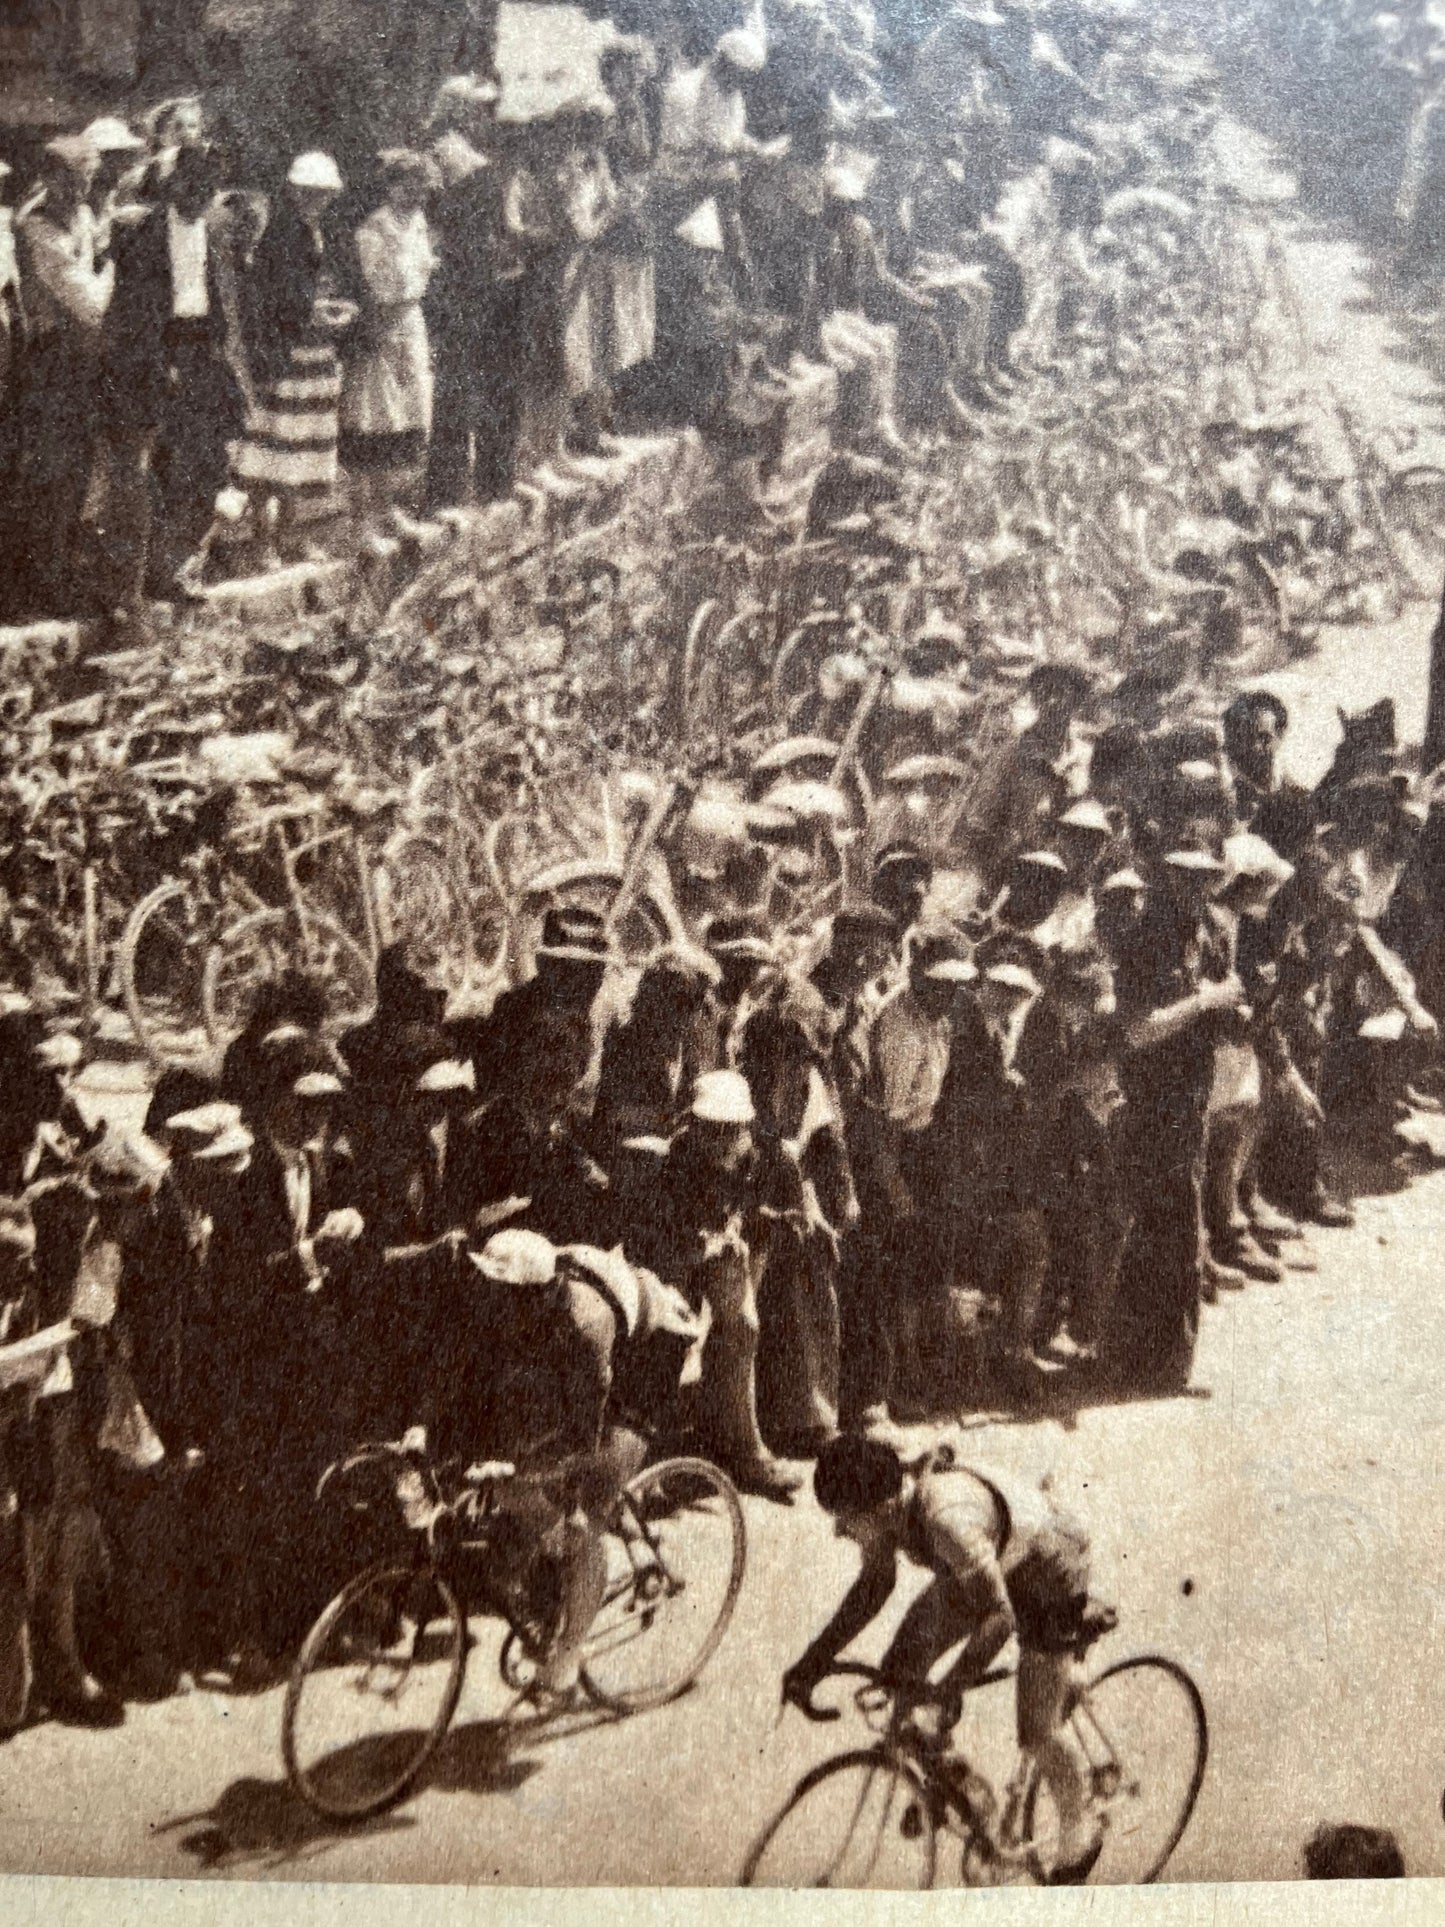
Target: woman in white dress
(386, 403)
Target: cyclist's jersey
(1003, 1543)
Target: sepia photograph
(722, 940)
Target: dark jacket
(136, 342)
(281, 289)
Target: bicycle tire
(642, 1596)
(324, 1792)
(162, 1042)
(218, 999)
(1092, 1732)
(432, 897)
(877, 1765)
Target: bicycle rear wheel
(864, 1820)
(261, 946)
(676, 1551)
(373, 1690)
(162, 962)
(1141, 1726)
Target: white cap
(315, 170)
(517, 1258)
(110, 135)
(723, 1097)
(744, 49)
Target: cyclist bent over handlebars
(1005, 1560)
(571, 1335)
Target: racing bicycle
(379, 1676)
(911, 1811)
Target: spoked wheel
(863, 1820)
(434, 897)
(1142, 1729)
(259, 947)
(675, 1557)
(162, 962)
(373, 1690)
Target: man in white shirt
(170, 401)
(906, 1050)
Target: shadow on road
(261, 1823)
(264, 1824)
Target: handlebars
(883, 1693)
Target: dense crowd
(192, 365)
(994, 1130)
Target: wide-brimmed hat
(517, 1257)
(1013, 976)
(739, 936)
(202, 1124)
(1088, 814)
(916, 772)
(723, 1097)
(796, 752)
(70, 151)
(899, 862)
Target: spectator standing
(560, 201)
(289, 455)
(1175, 988)
(386, 403)
(629, 307)
(12, 319)
(473, 316)
(67, 293)
(169, 401)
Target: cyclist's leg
(584, 1587)
(1044, 1684)
(1050, 1591)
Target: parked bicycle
(912, 1807)
(379, 1677)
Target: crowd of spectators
(191, 362)
(992, 1133)
(1052, 1075)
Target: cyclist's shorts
(1049, 1587)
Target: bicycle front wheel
(373, 1690)
(1141, 1726)
(676, 1551)
(864, 1820)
